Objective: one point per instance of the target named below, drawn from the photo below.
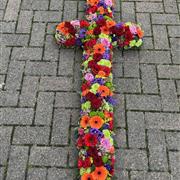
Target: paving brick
(149, 7)
(1, 14)
(40, 5)
(147, 43)
(143, 175)
(157, 150)
(133, 159)
(51, 52)
(143, 102)
(131, 69)
(121, 138)
(48, 156)
(3, 4)
(136, 129)
(128, 11)
(51, 28)
(55, 83)
(75, 116)
(1, 172)
(12, 10)
(160, 37)
(168, 95)
(66, 62)
(5, 53)
(56, 5)
(17, 163)
(165, 19)
(29, 90)
(123, 174)
(178, 87)
(174, 158)
(37, 35)
(14, 39)
(47, 16)
(77, 77)
(26, 53)
(168, 71)
(27, 4)
(70, 10)
(118, 70)
(15, 74)
(37, 174)
(56, 173)
(40, 68)
(44, 108)
(31, 135)
(155, 57)
(4, 152)
(170, 6)
(166, 121)
(173, 140)
(8, 98)
(175, 50)
(7, 27)
(128, 85)
(5, 135)
(16, 116)
(174, 31)
(24, 22)
(149, 78)
(61, 123)
(144, 19)
(65, 99)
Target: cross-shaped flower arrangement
(97, 36)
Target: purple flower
(108, 167)
(82, 33)
(106, 56)
(97, 132)
(111, 100)
(99, 80)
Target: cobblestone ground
(39, 104)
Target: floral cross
(97, 36)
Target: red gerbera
(84, 23)
(90, 140)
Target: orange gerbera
(140, 32)
(104, 91)
(96, 122)
(93, 2)
(109, 24)
(61, 27)
(101, 10)
(105, 30)
(87, 176)
(101, 74)
(99, 48)
(89, 32)
(84, 121)
(100, 173)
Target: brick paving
(40, 84)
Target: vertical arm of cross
(97, 36)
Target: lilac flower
(99, 81)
